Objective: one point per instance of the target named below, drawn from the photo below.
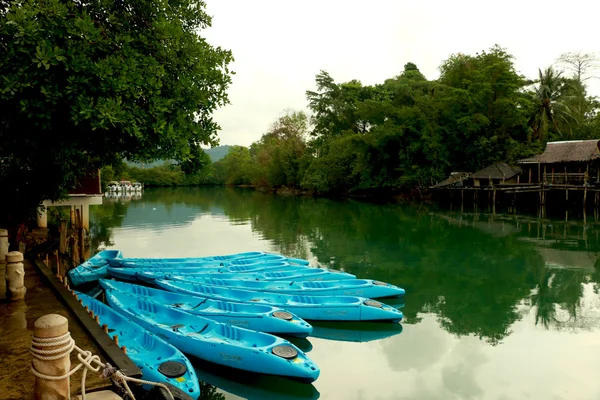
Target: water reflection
(483, 291)
(252, 386)
(354, 332)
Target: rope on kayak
(86, 359)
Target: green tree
(485, 109)
(279, 155)
(236, 167)
(84, 85)
(550, 107)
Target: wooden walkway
(588, 196)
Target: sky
(279, 46)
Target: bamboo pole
(63, 236)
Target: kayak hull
(93, 269)
(357, 287)
(215, 342)
(304, 274)
(145, 349)
(324, 308)
(258, 317)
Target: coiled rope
(86, 359)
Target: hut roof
(455, 177)
(566, 151)
(497, 170)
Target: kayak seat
(229, 332)
(227, 306)
(148, 342)
(203, 289)
(304, 299)
(314, 285)
(140, 290)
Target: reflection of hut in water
(565, 259)
(489, 226)
(496, 174)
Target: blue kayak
(133, 262)
(258, 317)
(355, 287)
(219, 343)
(130, 274)
(325, 308)
(306, 274)
(270, 265)
(158, 360)
(94, 268)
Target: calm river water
(497, 307)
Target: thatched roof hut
(567, 151)
(497, 170)
(455, 179)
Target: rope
(86, 359)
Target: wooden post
(587, 171)
(81, 237)
(494, 202)
(15, 276)
(462, 196)
(51, 326)
(543, 202)
(75, 248)
(552, 174)
(584, 199)
(3, 245)
(530, 169)
(62, 247)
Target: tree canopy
(409, 132)
(83, 84)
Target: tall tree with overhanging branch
(84, 83)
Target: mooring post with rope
(15, 276)
(53, 346)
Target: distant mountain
(216, 153)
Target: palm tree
(550, 105)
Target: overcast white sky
(280, 45)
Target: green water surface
(497, 307)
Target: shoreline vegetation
(400, 137)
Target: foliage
(410, 132)
(236, 167)
(84, 85)
(278, 156)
